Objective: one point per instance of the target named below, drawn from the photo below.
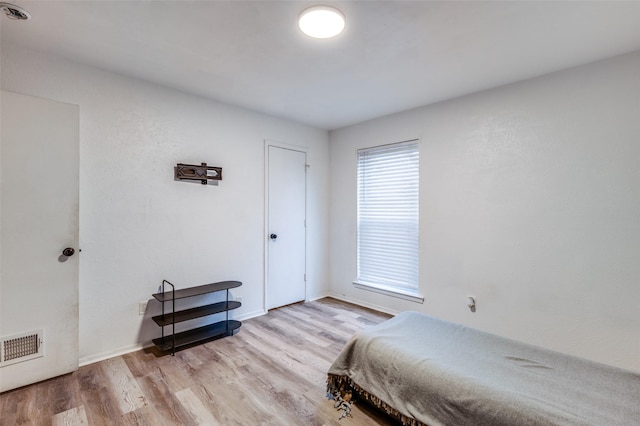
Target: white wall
(138, 226)
(530, 201)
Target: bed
(426, 371)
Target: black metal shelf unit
(222, 328)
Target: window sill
(390, 291)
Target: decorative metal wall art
(202, 173)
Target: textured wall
(529, 201)
(138, 226)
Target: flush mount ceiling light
(14, 12)
(321, 21)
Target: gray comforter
(439, 373)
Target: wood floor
(272, 372)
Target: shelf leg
(227, 313)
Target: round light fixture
(321, 21)
(14, 12)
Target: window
(388, 181)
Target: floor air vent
(21, 347)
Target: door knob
(273, 236)
(68, 252)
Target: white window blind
(388, 216)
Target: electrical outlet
(142, 307)
(239, 299)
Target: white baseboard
(363, 303)
(319, 297)
(93, 358)
(250, 315)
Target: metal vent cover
(21, 347)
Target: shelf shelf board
(197, 291)
(198, 334)
(198, 312)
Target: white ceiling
(393, 56)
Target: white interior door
(286, 281)
(39, 219)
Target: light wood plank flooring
(272, 372)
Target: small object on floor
(343, 401)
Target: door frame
(271, 143)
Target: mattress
(427, 371)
